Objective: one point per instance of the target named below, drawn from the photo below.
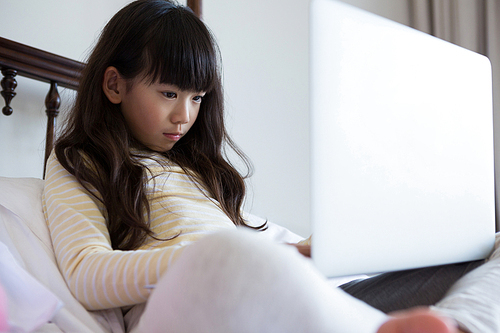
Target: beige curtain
(473, 24)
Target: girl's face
(158, 115)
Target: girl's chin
(161, 149)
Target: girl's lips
(173, 136)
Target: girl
(141, 202)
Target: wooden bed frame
(19, 59)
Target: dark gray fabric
(405, 289)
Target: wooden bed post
(195, 6)
(52, 103)
(27, 61)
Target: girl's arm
(97, 275)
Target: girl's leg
(236, 282)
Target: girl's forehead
(171, 86)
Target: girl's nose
(180, 114)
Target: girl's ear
(113, 85)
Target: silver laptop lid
(402, 146)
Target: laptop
(402, 146)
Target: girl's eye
(169, 94)
(198, 99)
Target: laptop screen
(402, 145)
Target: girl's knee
(237, 253)
(221, 279)
(227, 278)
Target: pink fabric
(4, 327)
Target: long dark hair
(162, 42)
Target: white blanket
(27, 250)
(29, 304)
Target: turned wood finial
(53, 100)
(9, 85)
(52, 103)
(195, 6)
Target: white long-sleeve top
(101, 277)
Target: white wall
(265, 62)
(264, 47)
(64, 27)
(265, 55)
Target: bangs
(180, 51)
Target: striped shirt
(101, 277)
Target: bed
(36, 294)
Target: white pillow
(24, 231)
(23, 197)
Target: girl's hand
(306, 241)
(304, 246)
(305, 250)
